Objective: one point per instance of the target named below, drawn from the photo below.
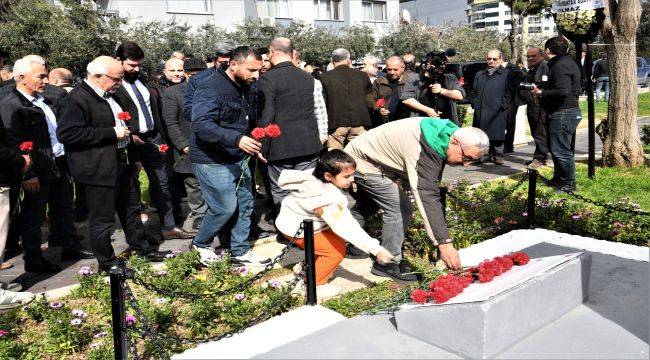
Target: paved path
(351, 275)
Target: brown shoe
(176, 233)
(6, 266)
(536, 164)
(498, 161)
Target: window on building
(535, 29)
(494, 14)
(508, 12)
(374, 10)
(273, 8)
(507, 22)
(199, 6)
(492, 23)
(328, 10)
(492, 5)
(534, 20)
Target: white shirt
(50, 119)
(147, 100)
(115, 108)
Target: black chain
(148, 330)
(550, 183)
(223, 292)
(483, 203)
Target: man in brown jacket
(389, 89)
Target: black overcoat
(491, 96)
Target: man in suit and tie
(148, 133)
(101, 156)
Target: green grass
(600, 107)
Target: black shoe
(196, 223)
(41, 266)
(79, 216)
(393, 271)
(353, 252)
(76, 254)
(154, 255)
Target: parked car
(642, 71)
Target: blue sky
(437, 12)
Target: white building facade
(333, 14)
(495, 15)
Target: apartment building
(495, 15)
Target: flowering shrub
(576, 22)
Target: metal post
(591, 133)
(443, 200)
(310, 257)
(117, 309)
(532, 191)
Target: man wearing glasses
(410, 153)
(537, 74)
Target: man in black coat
(490, 99)
(537, 74)
(148, 133)
(28, 116)
(102, 157)
(288, 100)
(346, 93)
(179, 129)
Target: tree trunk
(513, 33)
(619, 132)
(524, 39)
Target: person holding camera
(434, 93)
(538, 75)
(559, 100)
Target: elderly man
(346, 94)
(28, 116)
(101, 156)
(371, 67)
(52, 93)
(491, 97)
(62, 78)
(410, 151)
(290, 95)
(6, 74)
(537, 74)
(390, 89)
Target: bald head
(105, 73)
(174, 70)
(60, 77)
(280, 50)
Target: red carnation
(380, 103)
(272, 131)
(27, 146)
(419, 296)
(258, 133)
(505, 261)
(485, 276)
(124, 116)
(441, 296)
(163, 148)
(520, 258)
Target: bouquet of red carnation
(163, 148)
(258, 133)
(270, 131)
(26, 146)
(124, 116)
(380, 103)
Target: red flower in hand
(163, 148)
(27, 146)
(258, 133)
(520, 258)
(380, 103)
(419, 296)
(272, 131)
(124, 116)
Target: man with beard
(101, 156)
(148, 134)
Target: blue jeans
(600, 82)
(223, 198)
(561, 126)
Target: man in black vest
(288, 94)
(28, 116)
(148, 134)
(101, 156)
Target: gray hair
(396, 59)
(473, 137)
(97, 67)
(370, 59)
(24, 66)
(339, 55)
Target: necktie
(143, 105)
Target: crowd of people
(71, 152)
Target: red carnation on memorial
(419, 296)
(163, 148)
(258, 133)
(124, 116)
(26, 146)
(485, 276)
(272, 131)
(380, 103)
(520, 258)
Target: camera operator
(537, 74)
(560, 102)
(435, 92)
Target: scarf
(437, 133)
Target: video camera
(433, 67)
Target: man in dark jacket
(560, 102)
(148, 134)
(288, 100)
(490, 99)
(537, 74)
(515, 75)
(601, 76)
(28, 116)
(390, 89)
(101, 156)
(346, 94)
(220, 150)
(179, 129)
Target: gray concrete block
(484, 329)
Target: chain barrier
(607, 206)
(493, 201)
(148, 330)
(230, 290)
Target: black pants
(538, 131)
(511, 122)
(103, 201)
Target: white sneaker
(207, 256)
(11, 286)
(250, 259)
(12, 299)
(297, 269)
(327, 290)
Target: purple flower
(170, 256)
(275, 284)
(130, 320)
(162, 273)
(100, 335)
(85, 271)
(161, 301)
(95, 346)
(76, 321)
(575, 216)
(614, 232)
(56, 304)
(79, 313)
(3, 333)
(243, 270)
(177, 252)
(544, 204)
(524, 214)
(618, 224)
(239, 297)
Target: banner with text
(562, 6)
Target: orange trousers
(329, 249)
